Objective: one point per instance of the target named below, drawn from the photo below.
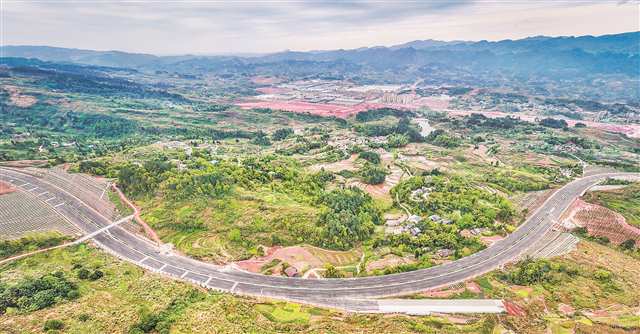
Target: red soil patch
(6, 188)
(438, 293)
(264, 80)
(388, 261)
(450, 291)
(19, 100)
(566, 309)
(296, 256)
(473, 287)
(488, 241)
(513, 308)
(602, 222)
(136, 214)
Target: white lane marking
(208, 280)
(511, 246)
(32, 189)
(57, 205)
(104, 191)
(145, 258)
(164, 265)
(25, 184)
(233, 288)
(50, 199)
(184, 274)
(42, 193)
(93, 234)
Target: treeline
(29, 243)
(613, 108)
(539, 271)
(45, 116)
(402, 128)
(554, 123)
(480, 121)
(376, 114)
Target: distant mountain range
(534, 59)
(624, 43)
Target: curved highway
(352, 294)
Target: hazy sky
(178, 27)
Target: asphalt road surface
(351, 294)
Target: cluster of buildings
(338, 92)
(420, 195)
(410, 224)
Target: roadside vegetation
(590, 290)
(129, 300)
(30, 242)
(625, 201)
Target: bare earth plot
(602, 222)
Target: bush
(554, 123)
(372, 174)
(35, 294)
(443, 139)
(370, 156)
(529, 272)
(602, 275)
(83, 273)
(332, 272)
(53, 324)
(348, 217)
(31, 242)
(96, 275)
(628, 244)
(281, 134)
(396, 140)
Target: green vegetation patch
(32, 294)
(455, 198)
(31, 242)
(625, 201)
(284, 313)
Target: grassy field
(231, 228)
(130, 300)
(625, 201)
(31, 242)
